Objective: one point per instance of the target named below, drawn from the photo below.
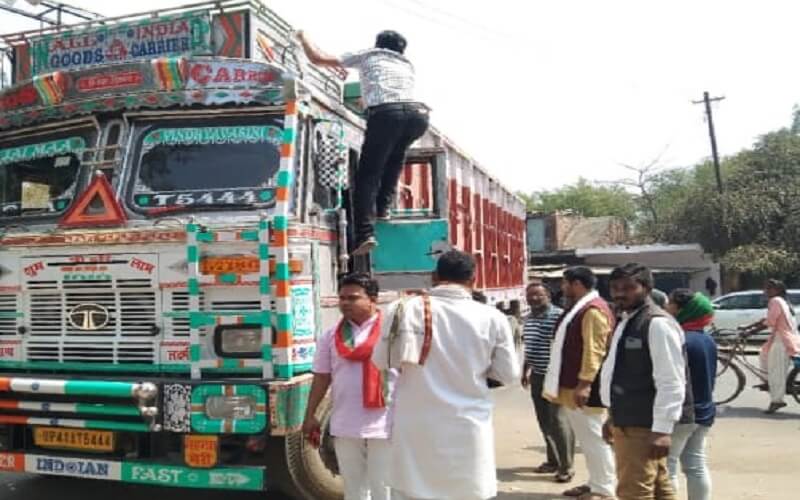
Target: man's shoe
(577, 491)
(594, 496)
(564, 477)
(545, 468)
(366, 246)
(773, 407)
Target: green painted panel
(302, 367)
(249, 235)
(229, 278)
(194, 286)
(262, 318)
(284, 179)
(242, 478)
(104, 409)
(250, 134)
(290, 406)
(284, 322)
(284, 371)
(42, 150)
(282, 272)
(280, 222)
(405, 246)
(117, 426)
(91, 367)
(124, 368)
(99, 388)
(206, 425)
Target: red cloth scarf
(372, 377)
(698, 324)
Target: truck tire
(312, 474)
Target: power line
(457, 17)
(443, 21)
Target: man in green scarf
(695, 312)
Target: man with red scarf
(360, 420)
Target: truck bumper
(224, 478)
(148, 420)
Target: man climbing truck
(175, 209)
(394, 122)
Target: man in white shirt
(447, 345)
(643, 382)
(394, 121)
(361, 417)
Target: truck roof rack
(264, 21)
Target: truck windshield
(195, 165)
(39, 178)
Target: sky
(542, 93)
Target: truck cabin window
(40, 178)
(207, 167)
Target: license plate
(241, 264)
(201, 452)
(73, 439)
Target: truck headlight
(231, 407)
(238, 341)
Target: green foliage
(752, 226)
(766, 260)
(586, 199)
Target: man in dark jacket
(643, 382)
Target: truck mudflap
(223, 478)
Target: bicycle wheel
(730, 381)
(793, 384)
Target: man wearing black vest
(643, 382)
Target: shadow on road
(519, 495)
(47, 488)
(538, 449)
(510, 474)
(788, 413)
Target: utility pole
(714, 154)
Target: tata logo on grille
(89, 317)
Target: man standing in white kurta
(447, 346)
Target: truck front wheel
(313, 473)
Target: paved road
(753, 457)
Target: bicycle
(732, 362)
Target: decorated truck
(174, 215)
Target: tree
(753, 226)
(585, 198)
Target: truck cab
(174, 215)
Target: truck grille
(179, 326)
(127, 337)
(8, 320)
(92, 350)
